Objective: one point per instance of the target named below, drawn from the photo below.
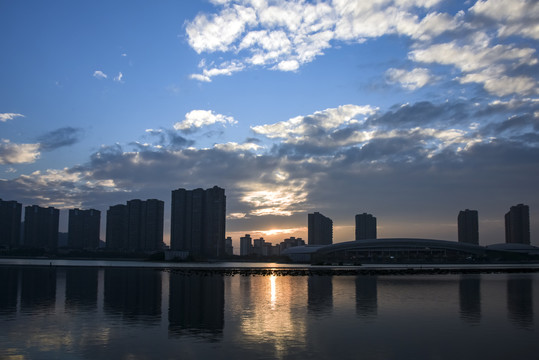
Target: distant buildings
(10, 224)
(517, 225)
(259, 247)
(468, 227)
(229, 249)
(320, 229)
(197, 222)
(83, 229)
(365, 226)
(137, 226)
(246, 245)
(41, 227)
(291, 242)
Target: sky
(410, 110)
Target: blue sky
(407, 109)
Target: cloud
(410, 80)
(61, 137)
(9, 116)
(483, 63)
(119, 77)
(441, 157)
(196, 119)
(285, 35)
(11, 153)
(100, 74)
(227, 69)
(279, 200)
(518, 17)
(325, 120)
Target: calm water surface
(144, 313)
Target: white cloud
(199, 118)
(217, 32)
(516, 17)
(288, 65)
(411, 80)
(18, 153)
(277, 200)
(9, 116)
(484, 64)
(235, 147)
(284, 35)
(226, 68)
(100, 74)
(326, 119)
(119, 78)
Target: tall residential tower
(365, 226)
(517, 225)
(137, 226)
(83, 229)
(10, 224)
(41, 227)
(468, 227)
(320, 229)
(197, 222)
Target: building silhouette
(198, 221)
(41, 227)
(468, 227)
(246, 245)
(365, 226)
(229, 249)
(320, 229)
(117, 227)
(517, 225)
(290, 242)
(137, 226)
(10, 224)
(83, 229)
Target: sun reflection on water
(273, 291)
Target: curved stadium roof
(403, 244)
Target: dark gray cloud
(58, 138)
(422, 114)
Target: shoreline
(280, 269)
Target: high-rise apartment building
(229, 249)
(517, 225)
(198, 221)
(83, 229)
(320, 229)
(365, 226)
(137, 226)
(10, 224)
(41, 227)
(246, 245)
(468, 227)
(117, 227)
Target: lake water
(151, 313)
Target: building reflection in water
(470, 298)
(133, 294)
(9, 278)
(81, 289)
(196, 305)
(366, 296)
(320, 295)
(38, 289)
(520, 301)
